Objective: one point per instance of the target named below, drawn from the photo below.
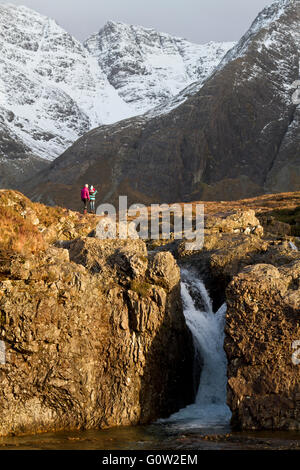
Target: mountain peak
(148, 67)
(273, 12)
(53, 89)
(287, 12)
(21, 9)
(112, 24)
(237, 136)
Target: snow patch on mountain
(53, 89)
(147, 67)
(268, 16)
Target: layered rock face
(262, 326)
(236, 137)
(93, 332)
(234, 239)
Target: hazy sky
(196, 20)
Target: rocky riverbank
(94, 334)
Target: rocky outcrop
(233, 240)
(262, 326)
(256, 270)
(93, 331)
(238, 221)
(27, 227)
(94, 336)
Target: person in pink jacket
(85, 197)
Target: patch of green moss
(142, 288)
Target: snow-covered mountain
(53, 89)
(236, 137)
(146, 67)
(258, 37)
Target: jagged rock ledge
(94, 334)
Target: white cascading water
(293, 246)
(210, 408)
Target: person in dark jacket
(93, 193)
(85, 197)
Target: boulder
(93, 342)
(238, 221)
(232, 241)
(262, 327)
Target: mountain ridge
(52, 87)
(149, 61)
(235, 138)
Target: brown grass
(49, 215)
(17, 234)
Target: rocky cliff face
(262, 326)
(236, 137)
(93, 331)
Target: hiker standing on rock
(93, 193)
(85, 197)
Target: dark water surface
(154, 437)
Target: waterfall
(293, 246)
(210, 408)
